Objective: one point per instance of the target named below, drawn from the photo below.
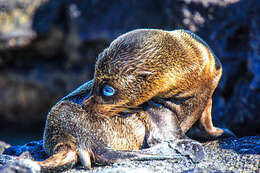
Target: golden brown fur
(163, 79)
(75, 134)
(77, 126)
(145, 64)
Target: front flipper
(166, 128)
(109, 156)
(65, 158)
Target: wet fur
(74, 134)
(146, 64)
(169, 76)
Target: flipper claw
(85, 158)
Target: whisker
(118, 109)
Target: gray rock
(21, 166)
(16, 22)
(3, 146)
(35, 149)
(4, 159)
(225, 155)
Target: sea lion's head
(127, 72)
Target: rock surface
(49, 47)
(226, 155)
(3, 146)
(16, 22)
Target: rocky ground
(227, 155)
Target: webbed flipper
(167, 129)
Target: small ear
(143, 74)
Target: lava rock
(234, 36)
(225, 155)
(21, 166)
(16, 22)
(3, 146)
(35, 148)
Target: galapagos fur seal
(168, 75)
(73, 135)
(149, 64)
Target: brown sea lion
(75, 134)
(149, 65)
(164, 79)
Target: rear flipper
(204, 128)
(166, 128)
(66, 158)
(199, 133)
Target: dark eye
(108, 90)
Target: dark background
(49, 47)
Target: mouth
(170, 104)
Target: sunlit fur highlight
(143, 64)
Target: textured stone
(226, 155)
(16, 22)
(21, 166)
(234, 36)
(3, 146)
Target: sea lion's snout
(99, 108)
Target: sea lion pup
(151, 69)
(75, 134)
(167, 77)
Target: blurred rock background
(49, 47)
